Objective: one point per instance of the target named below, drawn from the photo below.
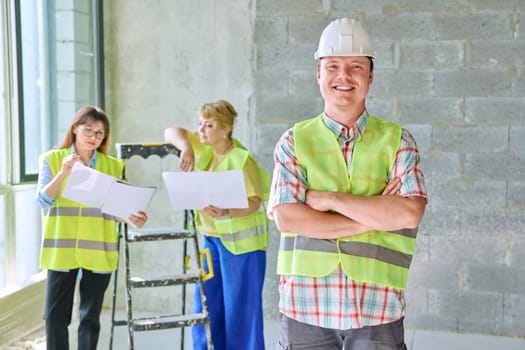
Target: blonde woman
(237, 238)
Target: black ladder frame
(182, 320)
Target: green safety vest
(76, 235)
(246, 233)
(378, 257)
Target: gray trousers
(296, 335)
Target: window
(51, 66)
(59, 70)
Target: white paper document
(114, 197)
(195, 190)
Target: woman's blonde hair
(221, 111)
(82, 117)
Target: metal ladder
(134, 236)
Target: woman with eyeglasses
(79, 242)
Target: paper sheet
(87, 186)
(195, 190)
(114, 197)
(125, 199)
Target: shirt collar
(93, 160)
(342, 131)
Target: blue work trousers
(59, 306)
(234, 299)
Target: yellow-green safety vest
(76, 235)
(378, 257)
(246, 233)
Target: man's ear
(371, 78)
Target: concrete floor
(416, 339)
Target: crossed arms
(331, 215)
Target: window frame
(22, 175)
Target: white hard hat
(344, 37)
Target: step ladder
(137, 236)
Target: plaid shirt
(336, 301)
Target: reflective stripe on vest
(75, 211)
(73, 243)
(245, 233)
(360, 249)
(378, 257)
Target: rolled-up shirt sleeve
(44, 177)
(289, 179)
(406, 167)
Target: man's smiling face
(344, 81)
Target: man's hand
(393, 187)
(318, 200)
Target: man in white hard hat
(347, 196)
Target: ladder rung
(127, 150)
(157, 234)
(138, 282)
(120, 323)
(165, 322)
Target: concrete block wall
(452, 73)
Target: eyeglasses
(90, 132)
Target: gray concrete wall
(163, 60)
(450, 71)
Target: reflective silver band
(372, 251)
(82, 244)
(407, 232)
(244, 234)
(359, 249)
(305, 243)
(75, 211)
(97, 245)
(59, 243)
